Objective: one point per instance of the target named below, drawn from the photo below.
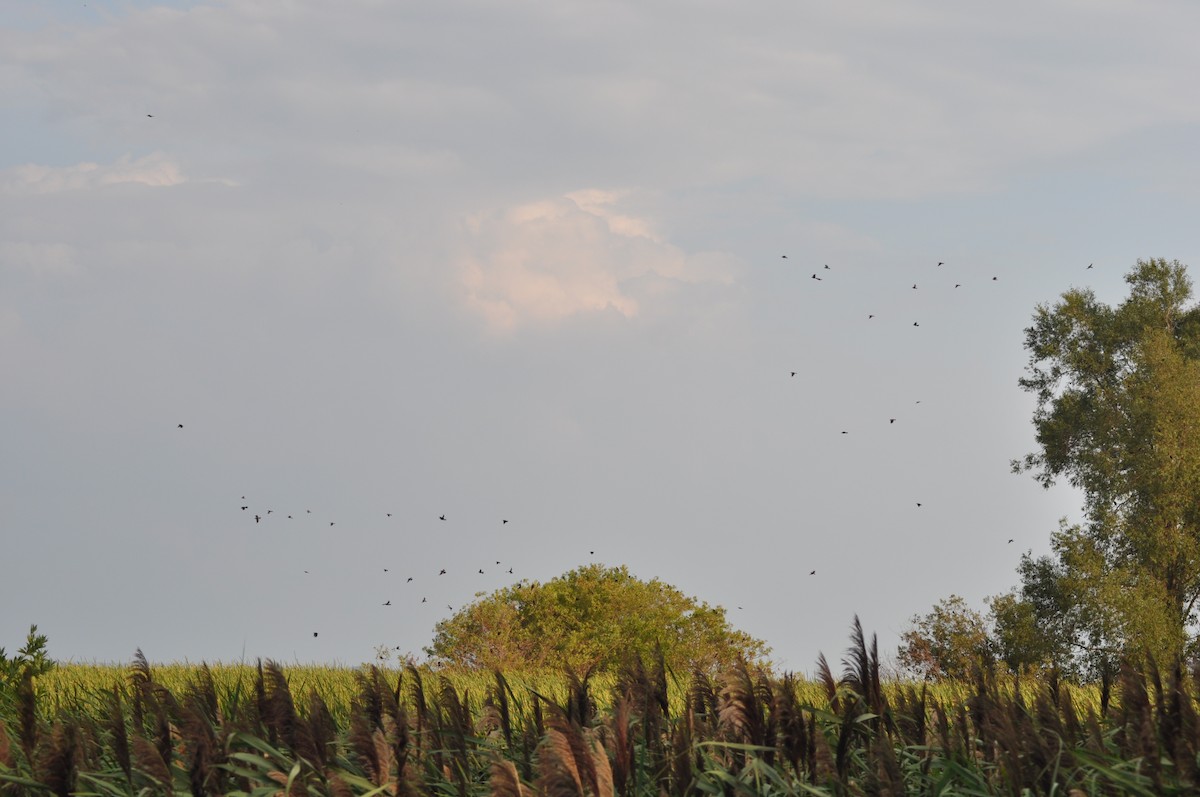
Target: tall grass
(642, 732)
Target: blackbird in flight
(441, 517)
(442, 573)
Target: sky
(550, 263)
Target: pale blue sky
(522, 262)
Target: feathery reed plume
(580, 707)
(741, 716)
(682, 746)
(151, 763)
(788, 720)
(827, 680)
(321, 730)
(502, 694)
(27, 727)
(504, 780)
(6, 755)
(120, 737)
(57, 765)
(262, 710)
(418, 700)
(703, 698)
(567, 763)
(601, 764)
(456, 719)
(622, 743)
(201, 748)
(360, 738)
(279, 711)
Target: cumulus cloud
(155, 170)
(580, 253)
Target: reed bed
(642, 732)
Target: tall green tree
(1118, 416)
(590, 618)
(949, 642)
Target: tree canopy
(590, 618)
(1118, 415)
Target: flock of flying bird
(259, 518)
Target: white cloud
(545, 261)
(155, 170)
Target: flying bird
(1089, 266)
(423, 600)
(181, 426)
(940, 263)
(314, 633)
(914, 286)
(995, 278)
(918, 503)
(812, 572)
(891, 420)
(915, 324)
(1010, 541)
(784, 257)
(441, 517)
(958, 285)
(793, 373)
(331, 522)
(245, 508)
(149, 116)
(443, 572)
(409, 579)
(258, 518)
(870, 316)
(827, 267)
(502, 522)
(481, 571)
(814, 276)
(389, 603)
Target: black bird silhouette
(870, 316)
(845, 432)
(502, 522)
(389, 603)
(914, 286)
(331, 522)
(245, 508)
(510, 570)
(812, 572)
(151, 116)
(1089, 266)
(441, 517)
(269, 511)
(481, 571)
(443, 572)
(793, 373)
(814, 276)
(423, 600)
(940, 263)
(958, 285)
(593, 553)
(409, 579)
(995, 278)
(784, 257)
(258, 518)
(181, 426)
(314, 633)
(289, 517)
(385, 569)
(915, 324)
(308, 511)
(1010, 540)
(891, 420)
(918, 503)
(389, 514)
(827, 267)
(448, 606)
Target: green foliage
(29, 662)
(949, 642)
(1118, 415)
(592, 618)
